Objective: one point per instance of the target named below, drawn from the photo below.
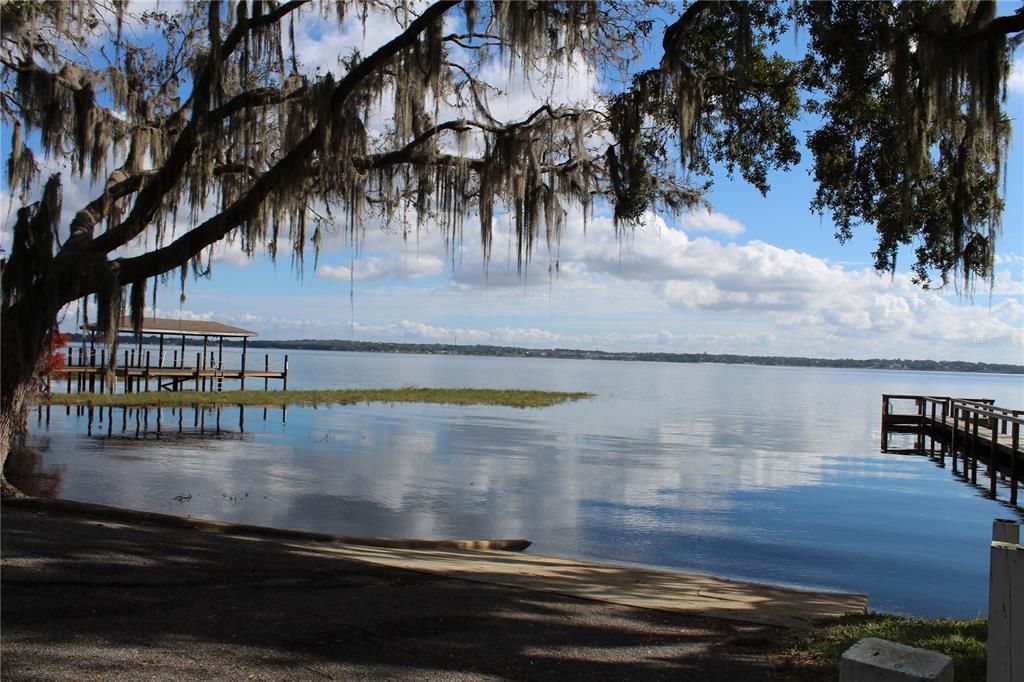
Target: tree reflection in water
(24, 468)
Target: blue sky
(758, 275)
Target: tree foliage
(197, 123)
(201, 124)
(913, 136)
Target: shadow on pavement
(85, 598)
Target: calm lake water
(758, 473)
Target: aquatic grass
(315, 398)
(816, 655)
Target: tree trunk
(12, 425)
(23, 333)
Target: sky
(754, 275)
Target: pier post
(932, 429)
(1005, 603)
(285, 387)
(974, 451)
(952, 436)
(1015, 442)
(197, 371)
(205, 340)
(147, 372)
(266, 371)
(942, 429)
(993, 465)
(245, 347)
(919, 437)
(885, 429)
(103, 369)
(966, 458)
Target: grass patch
(446, 396)
(816, 655)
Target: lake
(768, 474)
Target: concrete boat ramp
(624, 585)
(97, 593)
(629, 586)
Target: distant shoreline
(576, 354)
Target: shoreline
(517, 398)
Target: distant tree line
(577, 354)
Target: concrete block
(879, 660)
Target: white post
(1006, 604)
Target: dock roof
(164, 325)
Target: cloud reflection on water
(761, 473)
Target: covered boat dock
(169, 366)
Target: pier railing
(968, 430)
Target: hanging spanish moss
(216, 131)
(137, 306)
(21, 164)
(935, 163)
(32, 245)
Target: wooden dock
(167, 368)
(967, 431)
(141, 371)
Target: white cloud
(182, 314)
(376, 268)
(1009, 258)
(1015, 83)
(230, 253)
(535, 337)
(677, 292)
(709, 221)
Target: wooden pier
(170, 367)
(967, 431)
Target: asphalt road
(89, 599)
